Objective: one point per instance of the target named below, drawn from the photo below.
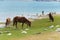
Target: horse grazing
(51, 17)
(8, 21)
(21, 20)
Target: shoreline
(33, 17)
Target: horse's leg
(6, 24)
(22, 25)
(52, 19)
(27, 25)
(13, 23)
(16, 24)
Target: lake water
(2, 25)
(14, 8)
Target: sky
(29, 0)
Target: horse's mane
(25, 19)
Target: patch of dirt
(43, 36)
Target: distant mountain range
(47, 0)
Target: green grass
(37, 26)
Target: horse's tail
(13, 22)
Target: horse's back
(20, 19)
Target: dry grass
(43, 36)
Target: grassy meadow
(38, 26)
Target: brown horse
(21, 20)
(51, 17)
(8, 20)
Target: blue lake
(14, 8)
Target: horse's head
(29, 23)
(8, 21)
